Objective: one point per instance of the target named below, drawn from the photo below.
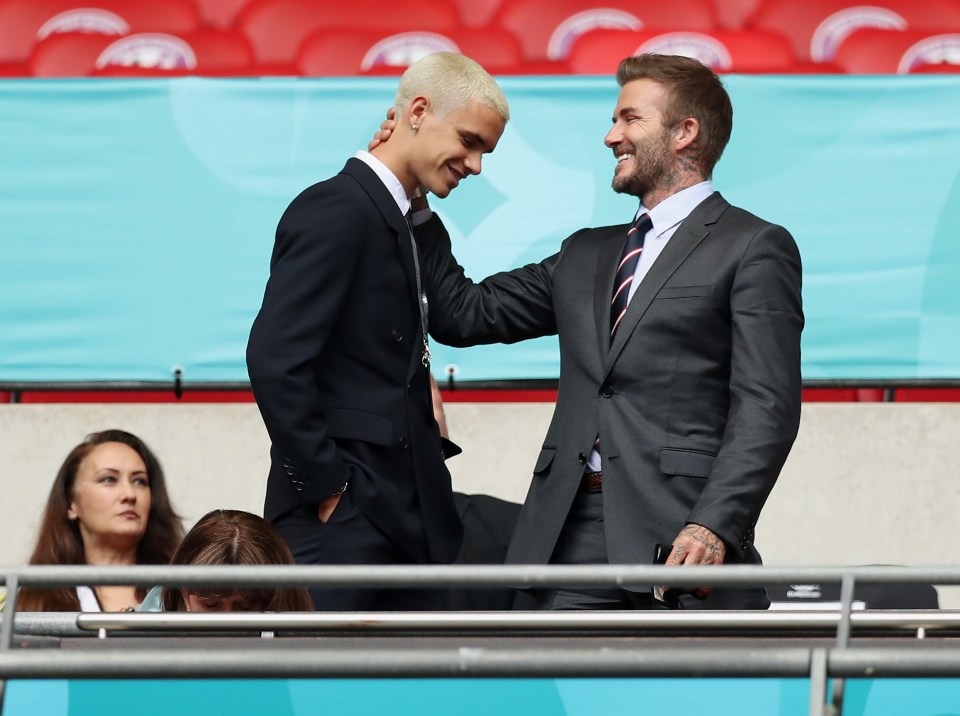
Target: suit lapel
(608, 256)
(694, 229)
(388, 209)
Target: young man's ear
(417, 110)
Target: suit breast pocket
(675, 292)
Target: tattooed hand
(697, 545)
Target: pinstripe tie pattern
(626, 269)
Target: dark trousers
(348, 537)
(583, 541)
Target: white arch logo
(834, 30)
(405, 48)
(709, 50)
(931, 51)
(149, 49)
(567, 32)
(84, 19)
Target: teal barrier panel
(416, 697)
(474, 697)
(137, 216)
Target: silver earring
(414, 127)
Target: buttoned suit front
(696, 400)
(335, 363)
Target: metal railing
(179, 387)
(829, 656)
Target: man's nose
(614, 136)
(473, 163)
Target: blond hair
(450, 81)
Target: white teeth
(623, 157)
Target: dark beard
(652, 166)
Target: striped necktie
(626, 269)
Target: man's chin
(626, 185)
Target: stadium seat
(599, 51)
(276, 28)
(220, 14)
(351, 52)
(816, 28)
(25, 22)
(477, 13)
(944, 68)
(871, 51)
(733, 14)
(547, 31)
(14, 69)
(77, 54)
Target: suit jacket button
(606, 391)
(397, 335)
(582, 458)
(403, 443)
(287, 462)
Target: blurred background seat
(23, 23)
(547, 31)
(78, 54)
(220, 14)
(599, 51)
(351, 52)
(872, 51)
(477, 13)
(816, 28)
(277, 28)
(733, 14)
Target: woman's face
(111, 497)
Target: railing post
(818, 683)
(847, 584)
(9, 610)
(6, 632)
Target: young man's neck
(393, 158)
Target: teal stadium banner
(137, 216)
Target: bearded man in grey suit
(676, 413)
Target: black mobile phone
(665, 596)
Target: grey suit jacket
(697, 399)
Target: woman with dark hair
(232, 537)
(108, 506)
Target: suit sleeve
(504, 308)
(318, 245)
(765, 387)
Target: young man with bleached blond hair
(338, 355)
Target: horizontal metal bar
(46, 386)
(408, 576)
(518, 384)
(798, 622)
(296, 662)
(274, 661)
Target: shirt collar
(388, 178)
(677, 207)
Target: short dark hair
(693, 90)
